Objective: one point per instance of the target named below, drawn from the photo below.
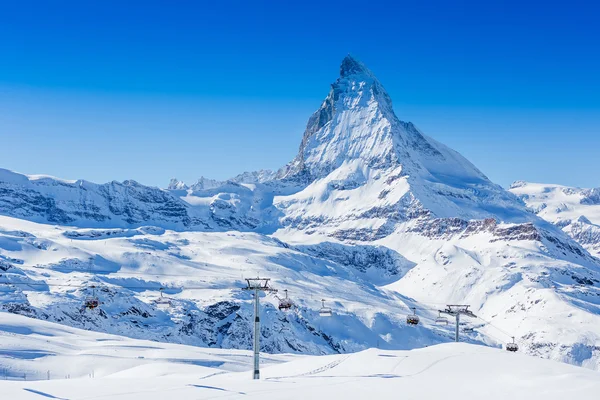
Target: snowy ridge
(576, 211)
(121, 204)
(260, 176)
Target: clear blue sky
(148, 90)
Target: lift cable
(184, 287)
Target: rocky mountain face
(115, 204)
(371, 215)
(125, 204)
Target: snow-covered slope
(47, 272)
(371, 215)
(575, 210)
(37, 350)
(82, 365)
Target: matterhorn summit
(355, 138)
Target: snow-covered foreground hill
(90, 365)
(371, 215)
(102, 366)
(34, 350)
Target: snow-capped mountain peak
(356, 128)
(176, 184)
(352, 66)
(352, 122)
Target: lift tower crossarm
(456, 310)
(257, 285)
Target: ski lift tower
(257, 285)
(456, 310)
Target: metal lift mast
(456, 310)
(257, 285)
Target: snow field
(143, 370)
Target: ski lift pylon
(412, 319)
(325, 311)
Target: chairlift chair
(325, 311)
(91, 302)
(441, 320)
(162, 301)
(512, 346)
(412, 319)
(285, 304)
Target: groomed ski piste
(91, 365)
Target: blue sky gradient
(152, 90)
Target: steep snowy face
(355, 139)
(576, 211)
(353, 122)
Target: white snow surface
(85, 365)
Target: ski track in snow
(431, 372)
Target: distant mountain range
(576, 211)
